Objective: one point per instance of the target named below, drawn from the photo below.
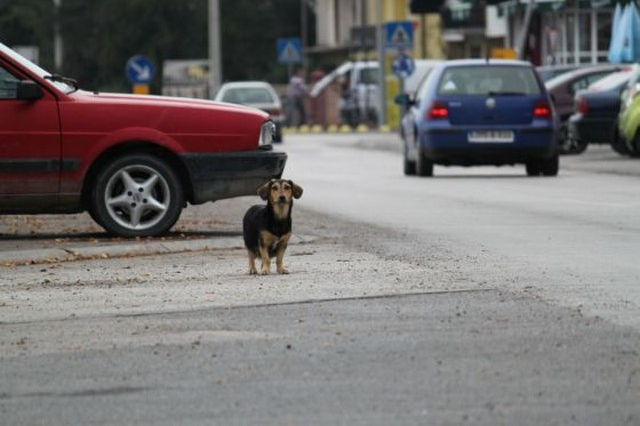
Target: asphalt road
(477, 297)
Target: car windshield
(248, 95)
(61, 83)
(489, 80)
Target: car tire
(565, 143)
(533, 168)
(579, 147)
(137, 195)
(618, 144)
(424, 166)
(634, 146)
(409, 167)
(550, 166)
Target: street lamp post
(215, 58)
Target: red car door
(30, 143)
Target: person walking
(297, 92)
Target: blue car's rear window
(489, 80)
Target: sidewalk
(26, 239)
(46, 239)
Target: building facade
(347, 29)
(551, 32)
(546, 31)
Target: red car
(132, 162)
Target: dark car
(133, 162)
(595, 118)
(563, 89)
(480, 112)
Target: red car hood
(181, 122)
(163, 101)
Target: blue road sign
(403, 66)
(289, 50)
(140, 70)
(399, 34)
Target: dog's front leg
(252, 262)
(282, 246)
(267, 239)
(266, 260)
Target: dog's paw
(283, 270)
(253, 272)
(265, 272)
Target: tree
(101, 35)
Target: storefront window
(604, 30)
(584, 31)
(571, 38)
(584, 37)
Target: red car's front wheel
(137, 195)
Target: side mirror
(28, 90)
(403, 99)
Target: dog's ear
(296, 190)
(263, 191)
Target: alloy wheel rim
(137, 197)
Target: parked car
(547, 72)
(256, 94)
(133, 162)
(360, 101)
(628, 142)
(596, 109)
(563, 89)
(474, 112)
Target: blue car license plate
(490, 136)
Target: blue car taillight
(438, 111)
(542, 109)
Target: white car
(256, 94)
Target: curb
(126, 249)
(334, 128)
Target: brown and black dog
(267, 229)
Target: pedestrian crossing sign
(399, 34)
(289, 50)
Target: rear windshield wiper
(63, 79)
(506, 93)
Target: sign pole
(382, 84)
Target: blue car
(480, 112)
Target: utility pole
(382, 83)
(215, 57)
(57, 37)
(303, 36)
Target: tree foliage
(101, 35)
